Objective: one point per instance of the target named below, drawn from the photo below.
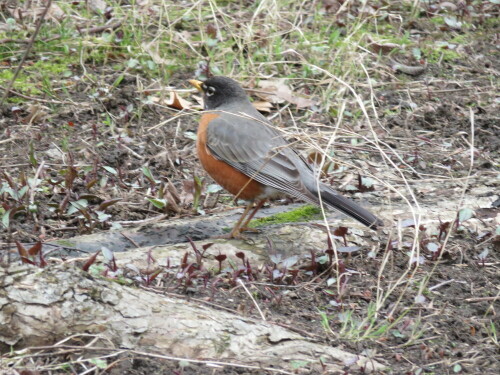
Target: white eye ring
(210, 91)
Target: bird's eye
(210, 91)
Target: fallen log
(42, 306)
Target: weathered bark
(42, 306)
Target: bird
(242, 151)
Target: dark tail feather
(350, 208)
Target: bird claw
(236, 235)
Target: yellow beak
(197, 84)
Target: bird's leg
(244, 227)
(235, 232)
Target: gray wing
(254, 148)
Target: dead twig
(130, 239)
(178, 359)
(481, 299)
(98, 29)
(253, 300)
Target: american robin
(240, 149)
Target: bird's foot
(236, 234)
(233, 235)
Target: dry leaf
(54, 13)
(262, 106)
(301, 102)
(346, 181)
(453, 23)
(332, 6)
(410, 70)
(276, 90)
(280, 92)
(172, 196)
(177, 102)
(171, 203)
(316, 158)
(212, 31)
(36, 114)
(199, 100)
(383, 47)
(448, 5)
(187, 193)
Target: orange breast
(229, 178)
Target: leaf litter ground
(97, 139)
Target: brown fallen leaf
(332, 6)
(187, 193)
(382, 47)
(262, 106)
(36, 114)
(301, 102)
(175, 101)
(211, 30)
(279, 92)
(274, 90)
(170, 187)
(316, 158)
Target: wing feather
(259, 151)
(254, 148)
